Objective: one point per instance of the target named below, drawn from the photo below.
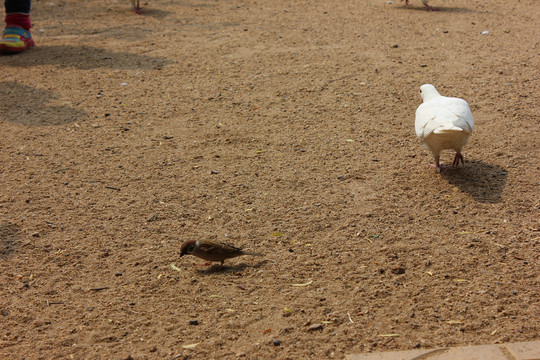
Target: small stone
(398, 271)
(276, 342)
(193, 322)
(4, 312)
(395, 46)
(485, 32)
(315, 327)
(118, 274)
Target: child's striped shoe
(15, 40)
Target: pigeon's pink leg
(437, 164)
(457, 158)
(406, 2)
(430, 8)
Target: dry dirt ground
(284, 127)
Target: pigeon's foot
(457, 159)
(437, 167)
(137, 7)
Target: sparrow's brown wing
(219, 249)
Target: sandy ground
(284, 127)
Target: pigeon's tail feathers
(447, 130)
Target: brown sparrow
(212, 251)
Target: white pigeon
(443, 123)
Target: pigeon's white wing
(443, 114)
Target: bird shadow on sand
(439, 9)
(155, 13)
(217, 268)
(484, 182)
(9, 240)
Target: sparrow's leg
(137, 8)
(222, 261)
(406, 2)
(457, 158)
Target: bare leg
(136, 6)
(457, 158)
(430, 8)
(437, 164)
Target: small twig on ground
(64, 169)
(49, 303)
(100, 288)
